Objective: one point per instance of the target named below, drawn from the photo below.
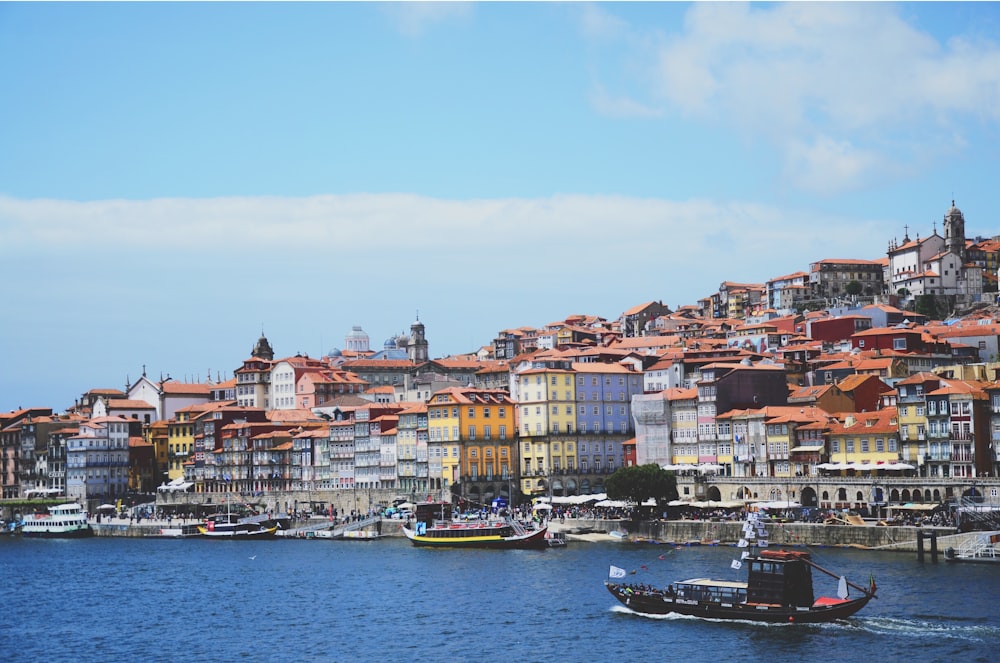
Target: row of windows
(584, 427)
(881, 445)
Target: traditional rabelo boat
(476, 534)
(779, 589)
(230, 526)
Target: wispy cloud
(414, 19)
(842, 90)
(578, 227)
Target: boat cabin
(780, 577)
(714, 591)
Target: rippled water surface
(194, 600)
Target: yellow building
(180, 441)
(482, 451)
(443, 435)
(546, 420)
(683, 425)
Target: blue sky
(177, 177)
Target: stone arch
(917, 495)
(744, 493)
(860, 497)
(894, 495)
(808, 497)
(841, 494)
(826, 496)
(775, 494)
(714, 494)
(937, 495)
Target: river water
(116, 599)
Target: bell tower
(416, 349)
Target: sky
(177, 178)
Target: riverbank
(675, 532)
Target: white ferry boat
(62, 521)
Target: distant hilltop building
(935, 265)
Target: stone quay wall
(780, 534)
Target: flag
(737, 564)
(616, 572)
(871, 583)
(643, 567)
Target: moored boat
(230, 526)
(62, 521)
(504, 534)
(230, 534)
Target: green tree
(639, 483)
(927, 305)
(853, 288)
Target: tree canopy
(639, 483)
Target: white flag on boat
(737, 564)
(742, 544)
(616, 572)
(762, 543)
(744, 555)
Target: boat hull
(57, 533)
(532, 540)
(660, 603)
(238, 535)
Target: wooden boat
(230, 526)
(504, 534)
(231, 534)
(62, 521)
(778, 589)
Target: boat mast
(816, 566)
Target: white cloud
(611, 106)
(413, 19)
(854, 82)
(595, 23)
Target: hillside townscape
(851, 368)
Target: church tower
(954, 231)
(263, 349)
(416, 349)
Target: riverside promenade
(675, 532)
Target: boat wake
(673, 616)
(935, 630)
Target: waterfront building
(443, 441)
(604, 394)
(43, 452)
(310, 459)
(988, 450)
(411, 449)
(865, 438)
(546, 421)
(653, 428)
(367, 453)
(912, 407)
(341, 451)
(958, 422)
(683, 429)
(12, 461)
(97, 464)
(180, 440)
(383, 434)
